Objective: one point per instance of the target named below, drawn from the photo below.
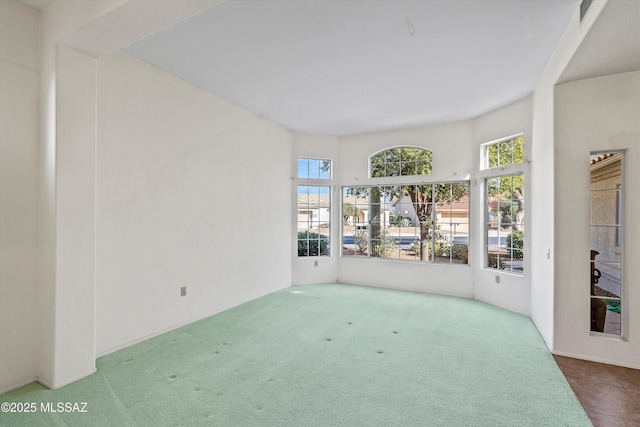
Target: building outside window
(606, 243)
(505, 207)
(314, 207)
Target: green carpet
(326, 355)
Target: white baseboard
(57, 385)
(76, 378)
(18, 385)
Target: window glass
(451, 229)
(606, 248)
(422, 222)
(355, 221)
(314, 220)
(401, 161)
(504, 153)
(303, 168)
(505, 223)
(314, 168)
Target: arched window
(400, 161)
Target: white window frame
(618, 246)
(487, 173)
(434, 218)
(484, 152)
(319, 182)
(487, 227)
(309, 179)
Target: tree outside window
(411, 221)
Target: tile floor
(609, 394)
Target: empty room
(320, 213)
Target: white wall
(19, 140)
(542, 219)
(48, 181)
(456, 156)
(592, 115)
(452, 160)
(74, 347)
(191, 191)
(514, 291)
(171, 191)
(66, 336)
(542, 209)
(308, 270)
(66, 224)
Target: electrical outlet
(497, 279)
(315, 263)
(183, 291)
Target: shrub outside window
(314, 220)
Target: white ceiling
(339, 67)
(37, 4)
(612, 45)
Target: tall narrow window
(451, 223)
(504, 214)
(606, 241)
(505, 223)
(314, 207)
(355, 221)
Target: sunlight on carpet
(324, 355)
